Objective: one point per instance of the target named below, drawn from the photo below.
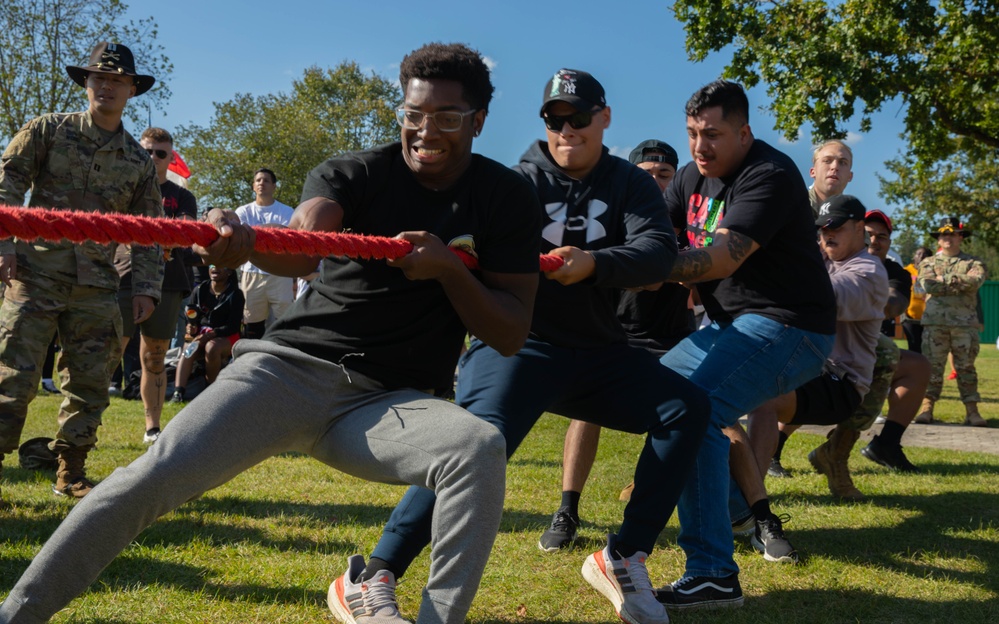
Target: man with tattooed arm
(743, 207)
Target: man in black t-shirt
(342, 376)
(744, 209)
(156, 331)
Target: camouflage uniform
(69, 163)
(950, 320)
(886, 355)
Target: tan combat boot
(925, 415)
(973, 418)
(831, 459)
(71, 479)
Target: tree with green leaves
(826, 62)
(328, 112)
(39, 38)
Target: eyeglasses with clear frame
(446, 121)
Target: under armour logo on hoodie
(555, 231)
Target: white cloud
(852, 138)
(490, 62)
(620, 151)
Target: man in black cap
(860, 283)
(607, 221)
(87, 162)
(658, 158)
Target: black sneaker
(702, 592)
(888, 456)
(776, 470)
(561, 533)
(769, 539)
(178, 396)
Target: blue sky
(635, 48)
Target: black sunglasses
(161, 154)
(576, 121)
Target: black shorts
(825, 400)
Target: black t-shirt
(656, 320)
(178, 202)
(368, 315)
(766, 200)
(900, 280)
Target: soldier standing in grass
(951, 280)
(82, 161)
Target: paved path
(938, 435)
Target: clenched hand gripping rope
(35, 223)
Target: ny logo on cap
(824, 209)
(563, 83)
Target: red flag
(179, 167)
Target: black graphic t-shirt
(178, 203)
(766, 200)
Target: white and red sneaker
(364, 602)
(625, 582)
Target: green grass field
(264, 547)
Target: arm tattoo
(690, 265)
(739, 246)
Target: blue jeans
(740, 365)
(617, 386)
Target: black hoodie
(618, 214)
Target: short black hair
(729, 95)
(450, 61)
(267, 171)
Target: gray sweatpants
(271, 400)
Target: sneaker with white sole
(561, 533)
(49, 386)
(364, 602)
(625, 582)
(770, 540)
(702, 592)
(151, 435)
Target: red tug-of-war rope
(53, 225)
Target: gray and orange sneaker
(625, 582)
(364, 602)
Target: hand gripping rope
(53, 225)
